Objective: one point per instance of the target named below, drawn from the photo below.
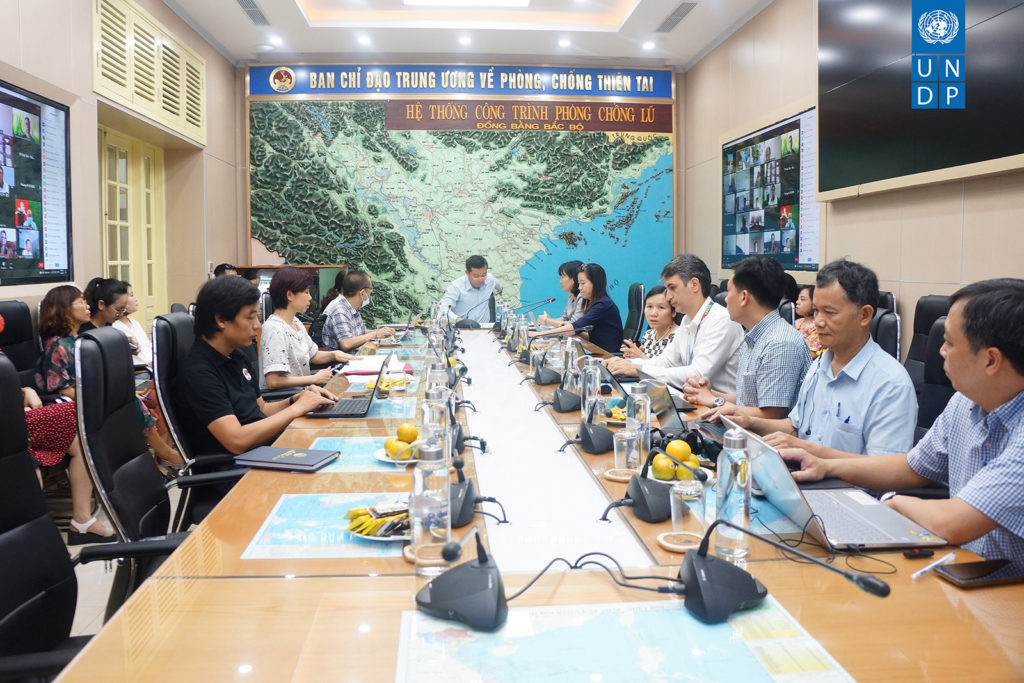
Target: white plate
(709, 482)
(613, 422)
(383, 539)
(382, 455)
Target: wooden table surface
(207, 612)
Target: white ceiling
(609, 32)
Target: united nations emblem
(282, 79)
(938, 26)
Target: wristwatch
(718, 402)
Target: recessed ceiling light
(648, 45)
(363, 39)
(276, 41)
(465, 40)
(477, 4)
(564, 42)
(263, 47)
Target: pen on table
(945, 559)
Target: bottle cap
(735, 438)
(434, 393)
(430, 451)
(591, 361)
(638, 389)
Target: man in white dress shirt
(708, 341)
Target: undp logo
(938, 61)
(938, 27)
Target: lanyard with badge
(693, 339)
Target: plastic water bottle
(522, 334)
(590, 391)
(429, 510)
(638, 419)
(733, 496)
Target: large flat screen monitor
(35, 189)
(768, 197)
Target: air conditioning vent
(254, 13)
(678, 14)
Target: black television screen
(35, 189)
(768, 202)
(869, 129)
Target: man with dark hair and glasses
(976, 445)
(855, 399)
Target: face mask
(367, 302)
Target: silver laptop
(836, 517)
(677, 397)
(662, 406)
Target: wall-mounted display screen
(35, 189)
(768, 202)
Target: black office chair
(634, 326)
(723, 286)
(936, 389)
(715, 289)
(787, 311)
(887, 300)
(192, 309)
(720, 297)
(266, 306)
(18, 340)
(929, 308)
(492, 306)
(128, 483)
(178, 308)
(173, 336)
(885, 330)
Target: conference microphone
(463, 501)
(472, 593)
(544, 375)
(649, 498)
(533, 305)
(468, 323)
(592, 438)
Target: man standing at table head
(773, 357)
(344, 328)
(468, 297)
(856, 399)
(217, 391)
(976, 445)
(707, 343)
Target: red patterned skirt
(51, 429)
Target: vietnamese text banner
(352, 79)
(544, 115)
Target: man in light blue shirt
(468, 297)
(976, 445)
(855, 399)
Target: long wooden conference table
(215, 612)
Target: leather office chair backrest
(491, 305)
(634, 325)
(110, 427)
(192, 309)
(18, 340)
(887, 300)
(929, 308)
(173, 336)
(885, 330)
(936, 389)
(720, 297)
(715, 289)
(787, 311)
(723, 286)
(178, 308)
(266, 306)
(37, 606)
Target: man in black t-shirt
(217, 392)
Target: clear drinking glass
(687, 504)
(626, 443)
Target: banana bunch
(379, 521)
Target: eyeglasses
(121, 311)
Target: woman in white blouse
(286, 349)
(661, 327)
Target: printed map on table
(313, 525)
(642, 641)
(356, 454)
(765, 518)
(394, 406)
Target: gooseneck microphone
(650, 498)
(534, 305)
(866, 582)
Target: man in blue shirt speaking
(976, 445)
(468, 297)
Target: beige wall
(205, 210)
(925, 240)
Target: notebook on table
(293, 459)
(836, 517)
(356, 406)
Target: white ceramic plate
(382, 455)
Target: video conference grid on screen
(34, 218)
(761, 196)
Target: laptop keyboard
(841, 524)
(345, 407)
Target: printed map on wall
(330, 184)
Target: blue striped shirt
(773, 361)
(981, 457)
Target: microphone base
(595, 439)
(472, 593)
(715, 588)
(565, 401)
(463, 503)
(545, 376)
(650, 499)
